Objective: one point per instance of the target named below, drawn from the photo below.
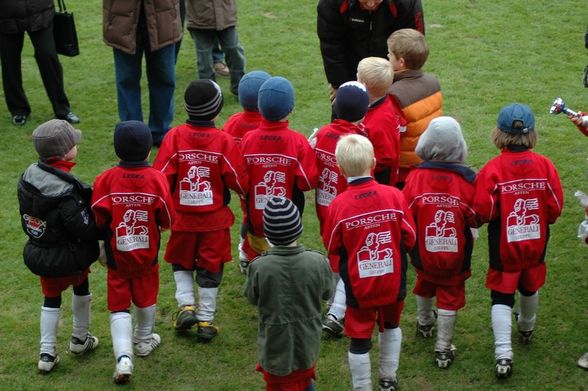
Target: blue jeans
(161, 77)
(205, 41)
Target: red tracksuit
(280, 161)
(440, 197)
(383, 122)
(330, 181)
(519, 194)
(365, 227)
(240, 123)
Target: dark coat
(348, 33)
(17, 16)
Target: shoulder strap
(61, 5)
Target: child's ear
(373, 164)
(341, 170)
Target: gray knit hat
(281, 221)
(442, 141)
(203, 100)
(55, 138)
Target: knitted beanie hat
(276, 98)
(351, 102)
(442, 141)
(249, 89)
(203, 100)
(55, 138)
(516, 118)
(132, 141)
(281, 221)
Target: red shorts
(140, 288)
(207, 250)
(449, 297)
(508, 282)
(53, 286)
(359, 322)
(298, 380)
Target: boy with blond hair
(365, 228)
(418, 94)
(519, 195)
(384, 120)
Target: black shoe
(71, 117)
(19, 119)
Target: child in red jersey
(518, 194)
(350, 107)
(279, 160)
(240, 123)
(440, 192)
(201, 164)
(62, 236)
(365, 227)
(133, 202)
(384, 120)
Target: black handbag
(64, 31)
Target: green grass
(486, 54)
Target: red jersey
(365, 227)
(279, 161)
(330, 181)
(519, 194)
(240, 123)
(133, 203)
(383, 122)
(201, 164)
(440, 197)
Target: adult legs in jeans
(161, 76)
(204, 41)
(127, 68)
(235, 55)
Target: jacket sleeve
(306, 174)
(327, 277)
(408, 226)
(485, 197)
(166, 161)
(251, 285)
(410, 15)
(165, 212)
(332, 238)
(333, 42)
(555, 199)
(234, 170)
(78, 219)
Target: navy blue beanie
(249, 89)
(132, 141)
(351, 102)
(276, 98)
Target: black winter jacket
(25, 15)
(55, 215)
(347, 33)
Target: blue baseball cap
(510, 115)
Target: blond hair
(355, 155)
(504, 140)
(376, 74)
(410, 45)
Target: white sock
(121, 329)
(184, 287)
(48, 324)
(206, 304)
(338, 306)
(80, 308)
(361, 371)
(501, 326)
(425, 315)
(390, 342)
(445, 326)
(145, 323)
(528, 312)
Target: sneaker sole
(47, 367)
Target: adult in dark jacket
(36, 18)
(134, 28)
(350, 30)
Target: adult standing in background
(211, 22)
(350, 30)
(36, 18)
(150, 27)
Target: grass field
(485, 53)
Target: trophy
(559, 106)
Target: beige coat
(121, 17)
(211, 14)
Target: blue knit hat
(132, 141)
(351, 102)
(249, 89)
(276, 98)
(516, 118)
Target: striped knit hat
(203, 100)
(281, 221)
